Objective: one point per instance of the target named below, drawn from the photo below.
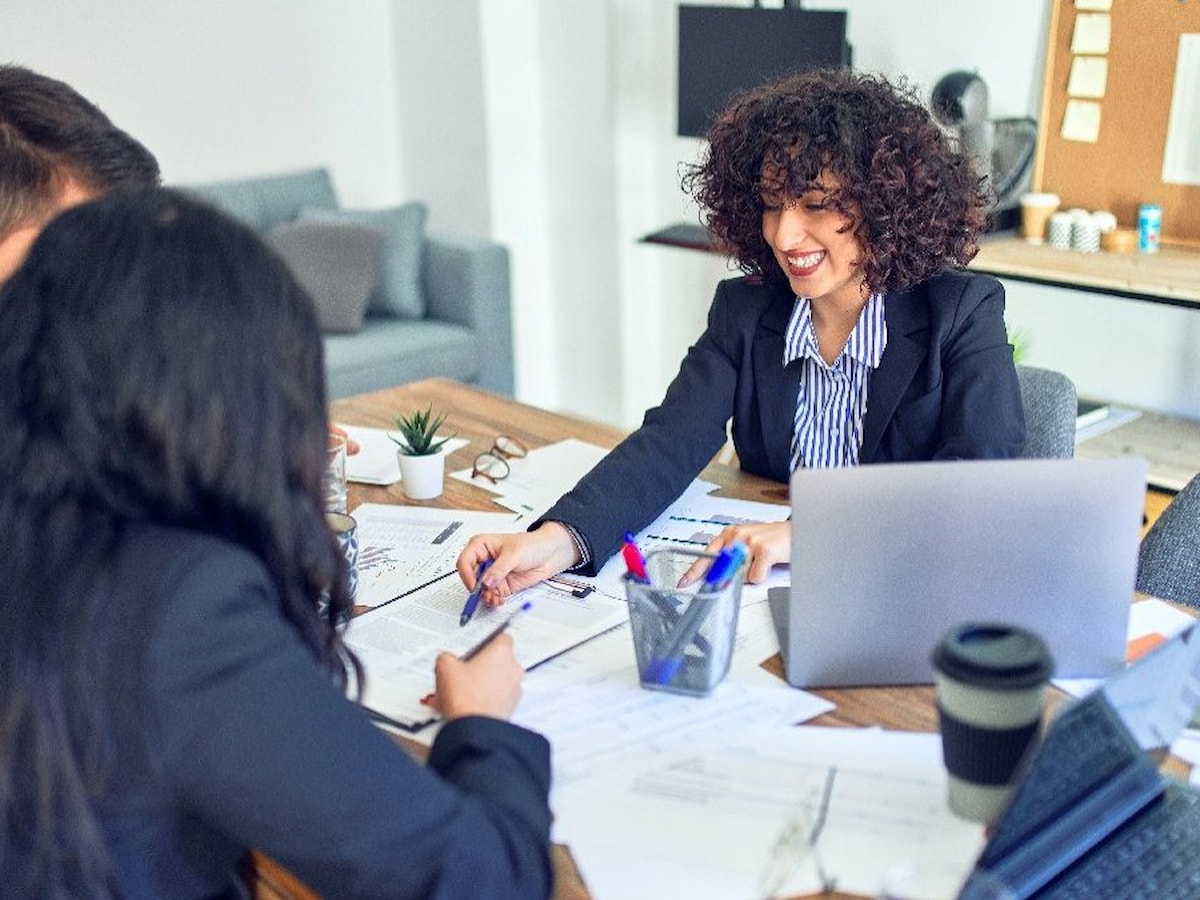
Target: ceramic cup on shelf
(1036, 209)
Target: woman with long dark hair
(169, 693)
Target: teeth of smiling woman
(807, 260)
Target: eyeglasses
(494, 464)
(798, 842)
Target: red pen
(633, 559)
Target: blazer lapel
(907, 320)
(777, 386)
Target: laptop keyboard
(1154, 855)
(1086, 746)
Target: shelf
(682, 235)
(1171, 276)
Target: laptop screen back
(886, 558)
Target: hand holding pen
(472, 603)
(484, 681)
(767, 545)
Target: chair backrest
(1050, 405)
(1169, 558)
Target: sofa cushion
(390, 351)
(399, 291)
(263, 203)
(336, 262)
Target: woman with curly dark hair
(854, 336)
(170, 693)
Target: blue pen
(496, 632)
(473, 597)
(724, 566)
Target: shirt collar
(866, 342)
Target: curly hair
(160, 365)
(912, 199)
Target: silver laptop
(886, 558)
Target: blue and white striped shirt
(827, 430)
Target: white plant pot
(422, 477)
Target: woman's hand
(767, 543)
(352, 445)
(489, 684)
(518, 560)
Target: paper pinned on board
(1081, 121)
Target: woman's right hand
(518, 560)
(489, 684)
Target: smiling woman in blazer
(854, 336)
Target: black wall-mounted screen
(726, 49)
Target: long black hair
(157, 364)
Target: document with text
(401, 548)
(399, 641)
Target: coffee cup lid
(993, 655)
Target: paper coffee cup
(991, 680)
(1036, 209)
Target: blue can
(1149, 227)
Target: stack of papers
(652, 787)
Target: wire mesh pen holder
(683, 637)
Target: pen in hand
(428, 699)
(495, 632)
(472, 603)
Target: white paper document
(397, 643)
(375, 462)
(1081, 121)
(1089, 77)
(591, 706)
(705, 817)
(1181, 158)
(1092, 33)
(403, 547)
(690, 523)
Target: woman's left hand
(767, 543)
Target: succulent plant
(418, 433)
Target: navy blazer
(946, 388)
(228, 735)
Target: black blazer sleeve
(647, 471)
(254, 739)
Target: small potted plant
(418, 449)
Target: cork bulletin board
(1102, 140)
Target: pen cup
(683, 638)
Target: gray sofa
(397, 304)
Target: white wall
(222, 88)
(549, 125)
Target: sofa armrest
(466, 281)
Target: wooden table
(480, 416)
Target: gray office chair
(1050, 405)
(1169, 558)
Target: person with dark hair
(56, 149)
(174, 690)
(853, 337)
